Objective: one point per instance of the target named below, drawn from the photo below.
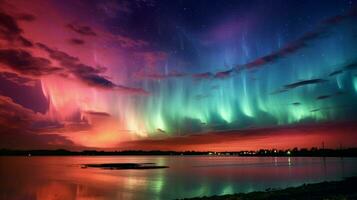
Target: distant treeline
(318, 152)
(313, 152)
(63, 152)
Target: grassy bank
(345, 189)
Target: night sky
(178, 75)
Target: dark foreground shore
(345, 189)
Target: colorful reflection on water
(44, 178)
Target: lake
(52, 177)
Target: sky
(178, 75)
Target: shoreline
(303, 152)
(343, 189)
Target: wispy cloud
(82, 30)
(18, 129)
(159, 76)
(204, 75)
(321, 31)
(87, 74)
(24, 63)
(303, 83)
(76, 41)
(11, 33)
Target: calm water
(60, 178)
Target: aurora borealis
(182, 75)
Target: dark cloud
(14, 116)
(303, 41)
(205, 75)
(9, 26)
(69, 62)
(217, 75)
(26, 17)
(90, 77)
(303, 83)
(337, 19)
(330, 95)
(315, 110)
(160, 130)
(76, 41)
(25, 42)
(340, 93)
(351, 66)
(83, 30)
(21, 127)
(334, 73)
(279, 91)
(223, 74)
(9, 29)
(323, 97)
(18, 80)
(60, 56)
(10, 32)
(96, 113)
(87, 74)
(344, 67)
(291, 48)
(296, 103)
(288, 87)
(321, 31)
(343, 107)
(127, 42)
(24, 63)
(159, 76)
(24, 91)
(94, 80)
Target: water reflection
(44, 178)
